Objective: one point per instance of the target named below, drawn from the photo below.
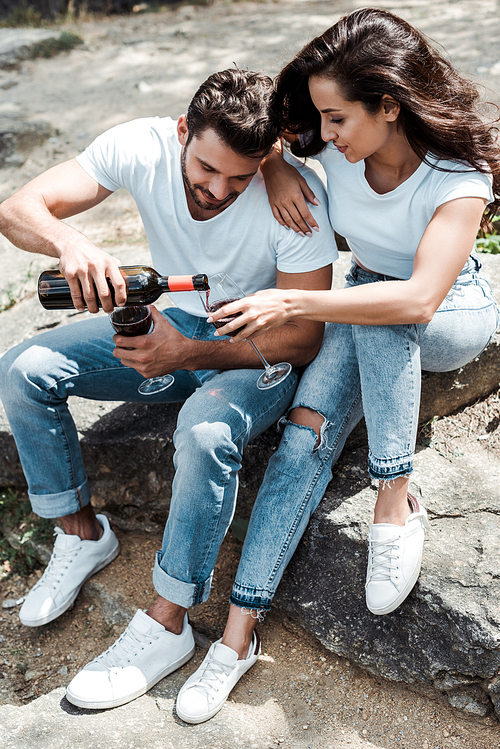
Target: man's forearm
(287, 343)
(25, 221)
(31, 218)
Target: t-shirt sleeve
(120, 155)
(464, 184)
(296, 254)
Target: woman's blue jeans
(222, 411)
(373, 371)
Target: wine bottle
(144, 286)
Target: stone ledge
(445, 638)
(137, 494)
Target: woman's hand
(287, 192)
(256, 313)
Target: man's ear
(391, 108)
(182, 130)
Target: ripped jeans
(373, 371)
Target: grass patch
(25, 16)
(166, 6)
(20, 17)
(17, 518)
(52, 47)
(16, 292)
(489, 241)
(10, 300)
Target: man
(200, 194)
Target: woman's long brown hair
(372, 52)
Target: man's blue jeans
(222, 411)
(370, 370)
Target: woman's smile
(348, 125)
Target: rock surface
(447, 633)
(18, 137)
(15, 44)
(147, 721)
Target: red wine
(144, 286)
(224, 320)
(131, 321)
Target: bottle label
(180, 283)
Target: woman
(410, 167)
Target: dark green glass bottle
(144, 286)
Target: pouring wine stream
(224, 290)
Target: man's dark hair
(240, 107)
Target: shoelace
(59, 562)
(212, 676)
(129, 644)
(383, 554)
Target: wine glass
(224, 290)
(137, 320)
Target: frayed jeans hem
(250, 602)
(390, 473)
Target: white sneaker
(140, 658)
(72, 562)
(205, 692)
(394, 559)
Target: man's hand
(162, 351)
(165, 350)
(87, 269)
(31, 220)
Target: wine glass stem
(265, 363)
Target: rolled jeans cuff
(177, 591)
(388, 470)
(246, 598)
(61, 504)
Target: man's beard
(192, 190)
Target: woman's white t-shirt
(384, 231)
(244, 240)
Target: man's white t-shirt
(384, 231)
(244, 240)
